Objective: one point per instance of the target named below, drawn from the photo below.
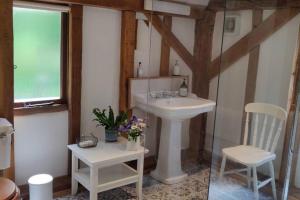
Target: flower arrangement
(134, 127)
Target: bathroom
(230, 53)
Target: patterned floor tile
(195, 187)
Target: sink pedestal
(168, 169)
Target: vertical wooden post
(7, 71)
(128, 44)
(257, 19)
(200, 84)
(165, 49)
(75, 71)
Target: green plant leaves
(109, 121)
(121, 118)
(133, 135)
(111, 117)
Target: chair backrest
(270, 113)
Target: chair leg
(222, 167)
(249, 176)
(255, 184)
(271, 167)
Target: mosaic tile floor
(195, 187)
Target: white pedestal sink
(172, 111)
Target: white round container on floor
(40, 187)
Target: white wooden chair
(260, 149)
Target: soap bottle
(176, 69)
(183, 90)
(140, 70)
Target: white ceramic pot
(132, 145)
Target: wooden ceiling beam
(172, 40)
(218, 5)
(241, 48)
(294, 3)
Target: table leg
(139, 184)
(93, 183)
(74, 170)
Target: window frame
(54, 105)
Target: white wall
(149, 46)
(275, 66)
(41, 145)
(273, 87)
(184, 29)
(101, 64)
(231, 90)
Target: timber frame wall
(7, 70)
(74, 74)
(198, 63)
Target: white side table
(106, 168)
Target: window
(39, 56)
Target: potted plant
(134, 128)
(110, 123)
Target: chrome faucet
(163, 94)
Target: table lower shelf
(108, 177)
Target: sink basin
(172, 111)
(174, 107)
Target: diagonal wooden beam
(172, 40)
(241, 48)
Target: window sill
(43, 109)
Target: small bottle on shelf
(176, 69)
(140, 71)
(183, 90)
